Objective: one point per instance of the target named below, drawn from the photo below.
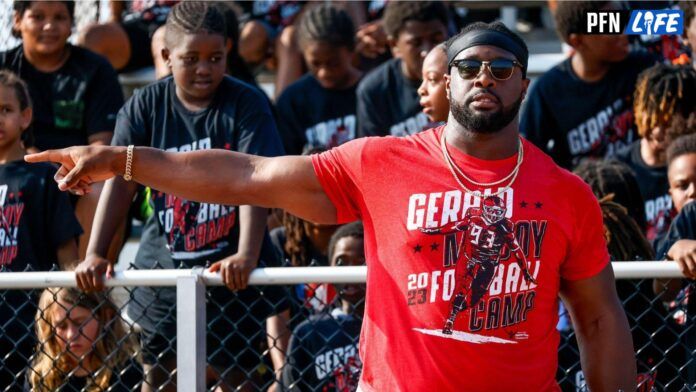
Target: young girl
(197, 108)
(433, 95)
(37, 225)
(319, 109)
(76, 93)
(82, 345)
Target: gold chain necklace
(456, 172)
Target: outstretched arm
(604, 338)
(213, 176)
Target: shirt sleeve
(62, 222)
(257, 132)
(588, 253)
(131, 120)
(103, 100)
(340, 174)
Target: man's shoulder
(549, 173)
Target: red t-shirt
(507, 341)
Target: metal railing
(191, 298)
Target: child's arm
(235, 269)
(67, 255)
(112, 209)
(684, 253)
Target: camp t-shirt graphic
(194, 230)
(486, 276)
(462, 290)
(11, 208)
(35, 217)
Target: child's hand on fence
(684, 253)
(235, 270)
(91, 273)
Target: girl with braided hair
(197, 108)
(665, 108)
(319, 109)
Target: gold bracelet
(129, 163)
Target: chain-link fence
(296, 337)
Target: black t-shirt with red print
(571, 119)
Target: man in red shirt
(404, 189)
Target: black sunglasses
(500, 69)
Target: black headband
(487, 37)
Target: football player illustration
(486, 232)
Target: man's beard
(483, 122)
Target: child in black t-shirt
(582, 107)
(197, 108)
(665, 107)
(318, 110)
(82, 345)
(323, 353)
(37, 226)
(388, 102)
(75, 93)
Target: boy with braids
(388, 101)
(197, 108)
(665, 107)
(582, 106)
(318, 110)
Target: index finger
(56, 156)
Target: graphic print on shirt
(11, 209)
(331, 133)
(410, 126)
(193, 229)
(489, 270)
(605, 133)
(341, 366)
(658, 214)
